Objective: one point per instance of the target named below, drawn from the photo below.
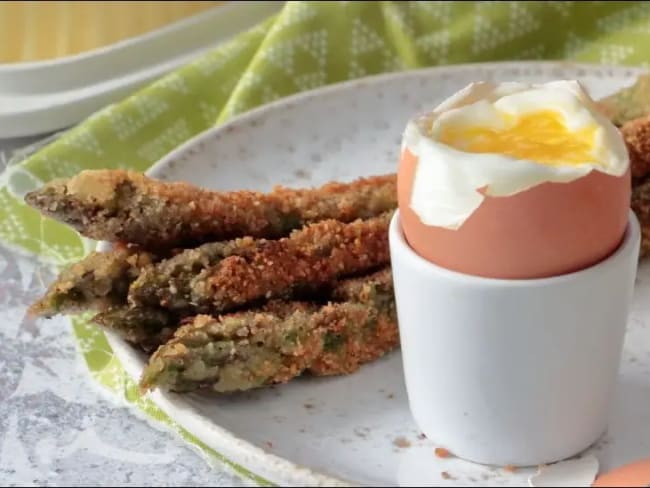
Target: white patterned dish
(357, 430)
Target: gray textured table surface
(56, 426)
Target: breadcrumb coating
(275, 344)
(144, 327)
(219, 277)
(636, 134)
(118, 205)
(100, 280)
(316, 255)
(641, 207)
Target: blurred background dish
(37, 31)
(85, 68)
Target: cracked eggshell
(497, 216)
(574, 472)
(634, 474)
(548, 230)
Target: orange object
(441, 452)
(547, 230)
(634, 474)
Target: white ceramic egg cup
(512, 372)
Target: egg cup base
(512, 372)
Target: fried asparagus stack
(230, 290)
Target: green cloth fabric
(306, 45)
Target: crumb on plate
(402, 442)
(441, 452)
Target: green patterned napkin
(306, 45)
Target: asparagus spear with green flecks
(207, 282)
(126, 206)
(145, 327)
(168, 283)
(279, 342)
(100, 280)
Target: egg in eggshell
(633, 474)
(514, 181)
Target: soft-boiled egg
(514, 181)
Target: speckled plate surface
(357, 430)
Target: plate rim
(284, 469)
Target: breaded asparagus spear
(99, 280)
(251, 349)
(117, 205)
(168, 282)
(343, 353)
(314, 256)
(641, 207)
(636, 134)
(141, 326)
(629, 103)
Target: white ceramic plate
(357, 429)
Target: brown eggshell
(634, 474)
(548, 230)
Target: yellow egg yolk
(539, 136)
